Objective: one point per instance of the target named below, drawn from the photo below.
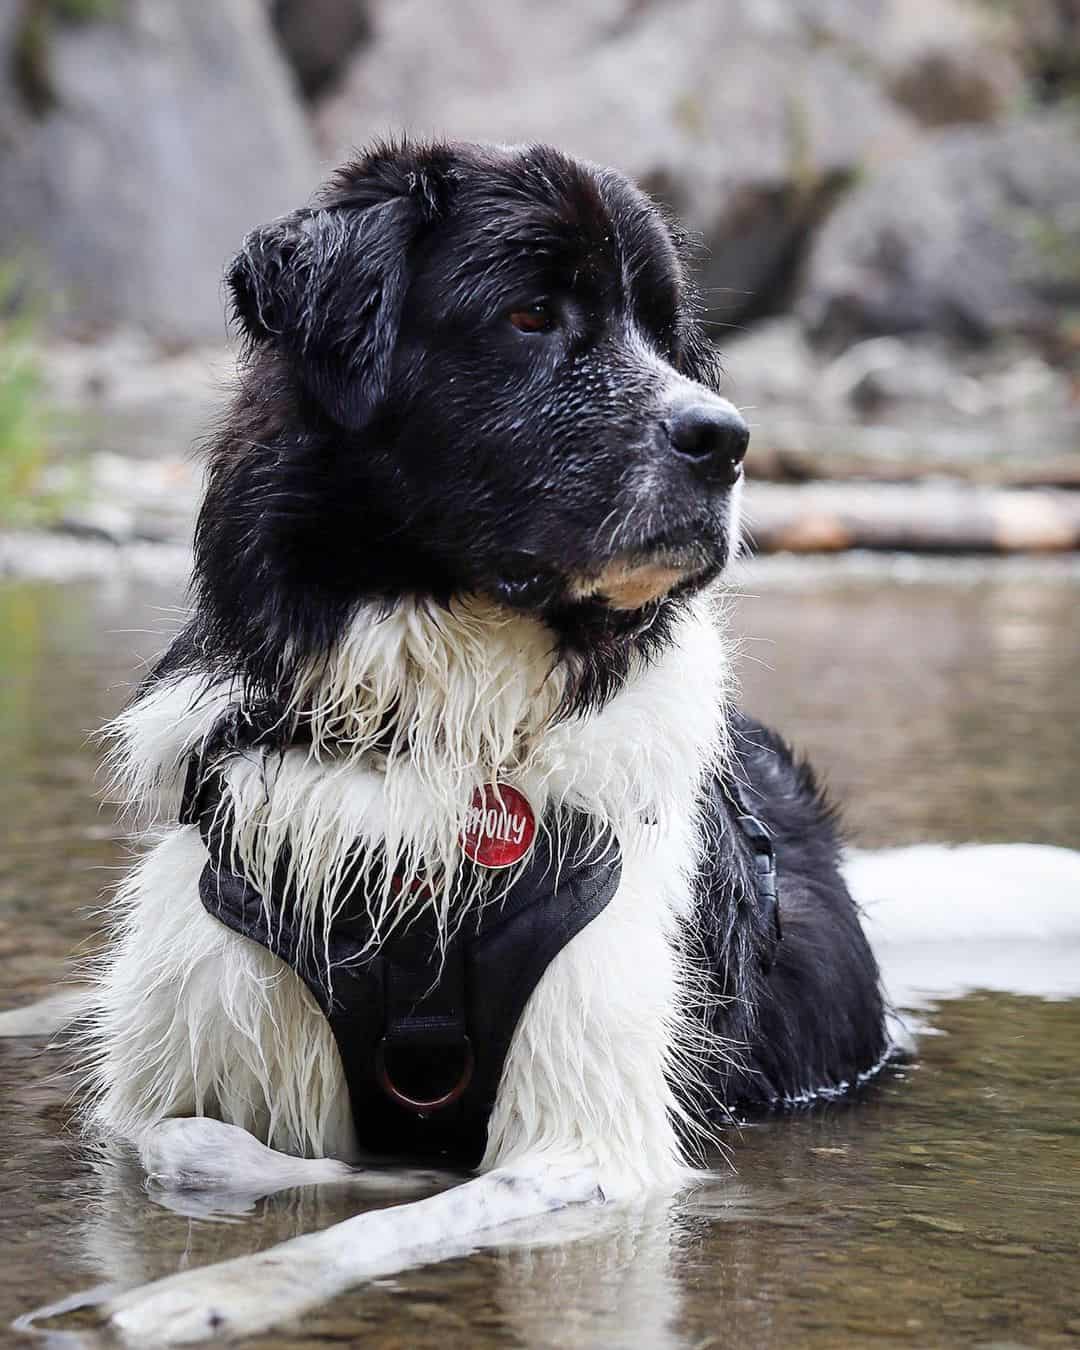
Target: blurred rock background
(886, 195)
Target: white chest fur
(193, 1019)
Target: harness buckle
(757, 836)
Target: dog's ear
(326, 287)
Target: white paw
(197, 1153)
(212, 1303)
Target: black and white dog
(462, 851)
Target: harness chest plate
(423, 1029)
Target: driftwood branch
(928, 518)
(795, 466)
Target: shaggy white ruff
(192, 1019)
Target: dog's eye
(533, 319)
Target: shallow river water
(942, 1209)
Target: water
(940, 1210)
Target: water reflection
(936, 712)
(940, 1210)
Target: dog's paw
(217, 1302)
(197, 1153)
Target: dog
(461, 849)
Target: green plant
(27, 497)
(86, 11)
(31, 48)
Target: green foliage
(86, 11)
(1058, 247)
(26, 496)
(22, 428)
(31, 51)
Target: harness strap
(756, 833)
(424, 1060)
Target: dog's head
(491, 377)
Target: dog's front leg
(250, 1293)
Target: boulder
(139, 146)
(976, 236)
(318, 37)
(949, 63)
(1045, 37)
(745, 117)
(945, 61)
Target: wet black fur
(808, 1010)
(395, 435)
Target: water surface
(939, 1210)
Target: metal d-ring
(420, 1105)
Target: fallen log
(796, 466)
(935, 517)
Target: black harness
(423, 1027)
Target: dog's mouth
(631, 581)
(676, 560)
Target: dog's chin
(640, 578)
(628, 585)
(617, 600)
(629, 581)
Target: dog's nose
(712, 437)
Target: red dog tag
(500, 826)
